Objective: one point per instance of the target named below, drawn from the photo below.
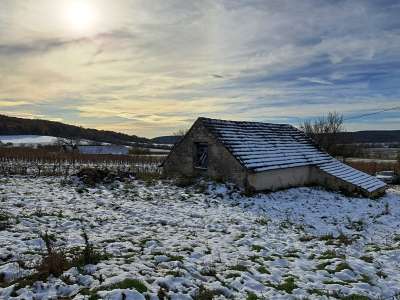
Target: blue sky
(150, 67)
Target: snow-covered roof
(349, 174)
(264, 146)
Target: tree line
(19, 126)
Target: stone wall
(280, 179)
(334, 183)
(304, 176)
(221, 164)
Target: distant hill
(20, 126)
(370, 136)
(367, 136)
(168, 139)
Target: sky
(151, 67)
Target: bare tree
(180, 132)
(325, 131)
(68, 144)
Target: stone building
(262, 156)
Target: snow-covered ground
(28, 139)
(208, 239)
(35, 140)
(156, 150)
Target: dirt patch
(92, 176)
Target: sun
(81, 16)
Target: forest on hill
(19, 126)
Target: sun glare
(81, 16)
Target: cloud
(315, 80)
(36, 47)
(41, 46)
(153, 66)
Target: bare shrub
(4, 220)
(204, 294)
(88, 256)
(324, 131)
(180, 132)
(55, 262)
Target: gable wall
(221, 164)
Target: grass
(129, 284)
(255, 258)
(125, 284)
(233, 275)
(4, 220)
(318, 292)
(162, 294)
(326, 237)
(208, 271)
(368, 259)
(396, 237)
(22, 282)
(330, 254)
(55, 261)
(264, 221)
(334, 282)
(251, 296)
(288, 285)
(323, 265)
(4, 216)
(88, 255)
(342, 239)
(148, 177)
(269, 258)
(240, 268)
(355, 297)
(175, 257)
(381, 274)
(175, 273)
(263, 270)
(306, 238)
(204, 294)
(92, 295)
(342, 266)
(292, 253)
(366, 279)
(357, 225)
(257, 248)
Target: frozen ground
(28, 139)
(200, 241)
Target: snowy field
(28, 139)
(34, 140)
(206, 241)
